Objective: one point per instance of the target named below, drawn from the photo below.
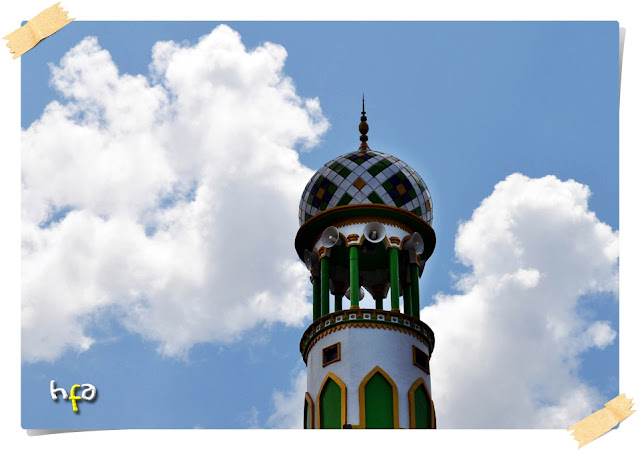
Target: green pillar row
(324, 286)
(316, 299)
(337, 302)
(415, 291)
(354, 278)
(379, 302)
(395, 279)
(407, 300)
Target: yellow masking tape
(598, 423)
(41, 26)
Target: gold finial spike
(364, 128)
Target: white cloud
(182, 191)
(508, 346)
(600, 334)
(289, 410)
(252, 418)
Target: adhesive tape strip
(41, 26)
(598, 423)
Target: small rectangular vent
(331, 354)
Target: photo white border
(623, 11)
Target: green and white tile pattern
(366, 177)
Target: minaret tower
(365, 224)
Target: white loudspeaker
(330, 237)
(310, 259)
(348, 293)
(374, 232)
(415, 243)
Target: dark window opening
(331, 354)
(420, 359)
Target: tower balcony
(366, 318)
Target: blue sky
(465, 104)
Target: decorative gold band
(384, 326)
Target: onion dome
(365, 177)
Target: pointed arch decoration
(421, 411)
(326, 410)
(308, 412)
(379, 392)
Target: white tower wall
(362, 349)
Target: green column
(316, 298)
(324, 286)
(354, 279)
(337, 302)
(407, 298)
(395, 279)
(415, 291)
(379, 302)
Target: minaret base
(375, 365)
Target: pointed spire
(364, 128)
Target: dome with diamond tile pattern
(364, 177)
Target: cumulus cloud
(289, 411)
(509, 344)
(168, 200)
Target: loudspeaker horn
(310, 259)
(330, 237)
(415, 243)
(374, 232)
(348, 293)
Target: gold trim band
(341, 326)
